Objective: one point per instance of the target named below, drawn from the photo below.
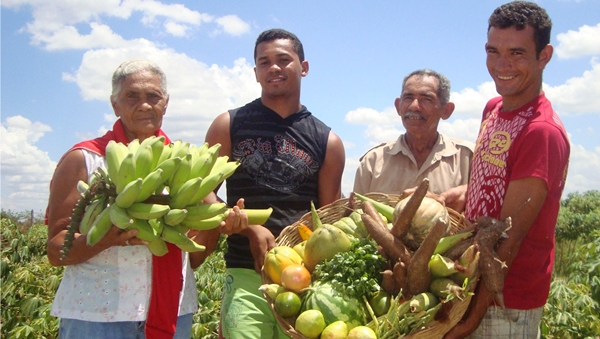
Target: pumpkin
(426, 216)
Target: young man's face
(278, 68)
(514, 66)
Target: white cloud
(368, 116)
(198, 92)
(67, 37)
(233, 25)
(584, 165)
(26, 170)
(577, 95)
(581, 43)
(55, 23)
(470, 102)
(176, 29)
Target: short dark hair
(443, 91)
(278, 33)
(520, 14)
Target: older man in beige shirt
(422, 152)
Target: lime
(335, 330)
(310, 323)
(380, 303)
(362, 332)
(287, 304)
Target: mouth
(275, 79)
(506, 77)
(413, 116)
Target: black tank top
(280, 162)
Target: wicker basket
(328, 214)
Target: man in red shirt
(518, 171)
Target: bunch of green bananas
(158, 190)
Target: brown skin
(394, 248)
(421, 111)
(490, 231)
(402, 222)
(400, 278)
(418, 275)
(279, 72)
(141, 105)
(516, 69)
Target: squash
(426, 216)
(323, 244)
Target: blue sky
(58, 57)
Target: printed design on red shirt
(489, 174)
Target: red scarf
(167, 279)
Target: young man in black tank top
(288, 158)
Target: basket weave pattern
(328, 214)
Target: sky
(57, 58)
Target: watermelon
(333, 304)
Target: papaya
(277, 259)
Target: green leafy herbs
(356, 272)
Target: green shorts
(245, 312)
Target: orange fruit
(295, 278)
(287, 304)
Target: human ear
(448, 110)
(545, 55)
(304, 68)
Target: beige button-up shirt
(391, 168)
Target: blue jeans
(76, 329)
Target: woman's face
(141, 105)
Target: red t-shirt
(528, 142)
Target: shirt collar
(443, 148)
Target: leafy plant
(29, 283)
(355, 273)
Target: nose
(503, 62)
(145, 105)
(414, 105)
(274, 68)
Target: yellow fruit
(299, 248)
(295, 278)
(362, 332)
(277, 259)
(335, 330)
(310, 323)
(287, 304)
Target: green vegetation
(29, 282)
(573, 307)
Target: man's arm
(261, 239)
(522, 203)
(330, 174)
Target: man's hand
(455, 198)
(261, 241)
(236, 222)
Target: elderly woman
(117, 288)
